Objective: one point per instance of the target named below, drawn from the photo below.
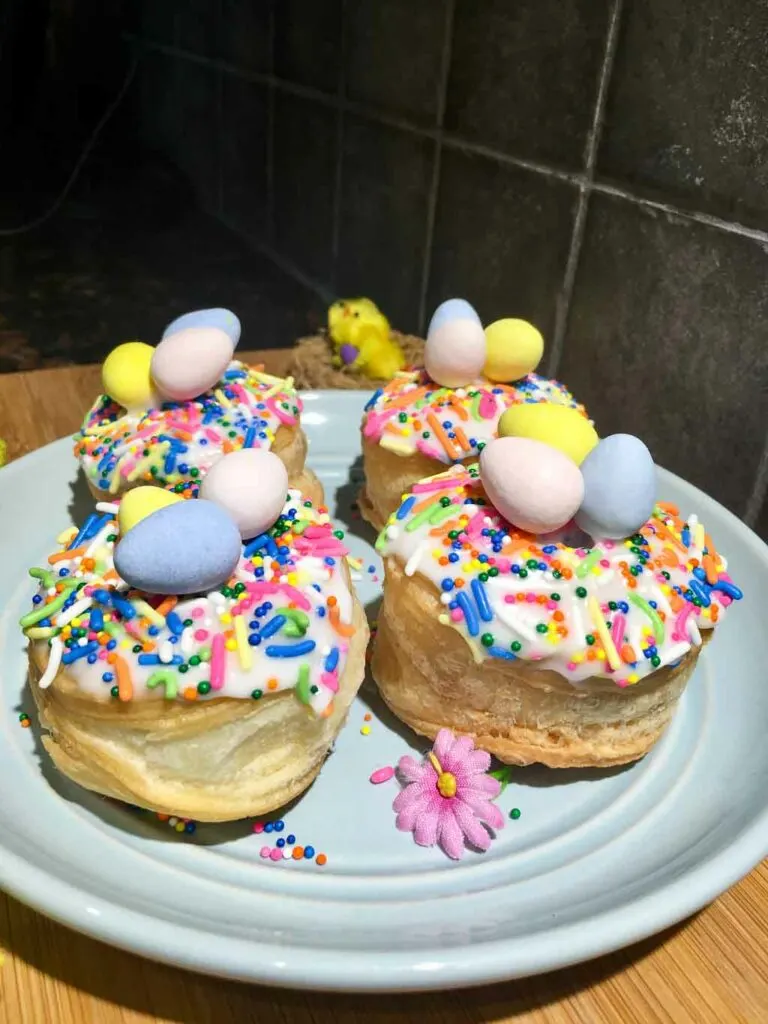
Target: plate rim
(472, 964)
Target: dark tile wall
(598, 166)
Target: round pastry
(169, 413)
(445, 412)
(210, 677)
(561, 648)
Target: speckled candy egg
(185, 548)
(619, 487)
(514, 349)
(534, 486)
(451, 309)
(126, 377)
(191, 361)
(251, 485)
(455, 352)
(141, 502)
(559, 426)
(224, 319)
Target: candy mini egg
(224, 319)
(141, 502)
(185, 548)
(451, 309)
(251, 485)
(455, 352)
(535, 487)
(619, 487)
(560, 426)
(190, 361)
(514, 348)
(126, 376)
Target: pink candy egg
(454, 354)
(191, 361)
(534, 486)
(251, 485)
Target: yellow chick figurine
(361, 335)
(3, 452)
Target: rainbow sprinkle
(620, 609)
(282, 621)
(412, 413)
(174, 445)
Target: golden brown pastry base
(388, 476)
(312, 366)
(215, 760)
(522, 714)
(290, 445)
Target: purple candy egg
(348, 354)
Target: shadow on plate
(81, 502)
(347, 511)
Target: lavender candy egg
(348, 354)
(191, 361)
(619, 487)
(185, 548)
(451, 309)
(454, 354)
(534, 486)
(224, 319)
(251, 486)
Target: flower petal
(443, 743)
(409, 769)
(409, 815)
(485, 784)
(426, 827)
(450, 837)
(477, 761)
(453, 760)
(410, 795)
(482, 808)
(471, 827)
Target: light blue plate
(596, 860)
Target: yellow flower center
(446, 781)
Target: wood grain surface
(713, 967)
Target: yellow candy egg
(141, 502)
(514, 348)
(559, 426)
(125, 375)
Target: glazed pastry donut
(214, 706)
(413, 427)
(174, 444)
(542, 650)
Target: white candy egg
(454, 353)
(251, 485)
(191, 361)
(534, 486)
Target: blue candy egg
(619, 487)
(224, 319)
(183, 548)
(451, 309)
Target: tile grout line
(219, 122)
(437, 160)
(759, 489)
(338, 179)
(269, 155)
(565, 295)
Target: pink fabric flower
(447, 797)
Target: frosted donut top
(619, 609)
(282, 621)
(177, 443)
(412, 413)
